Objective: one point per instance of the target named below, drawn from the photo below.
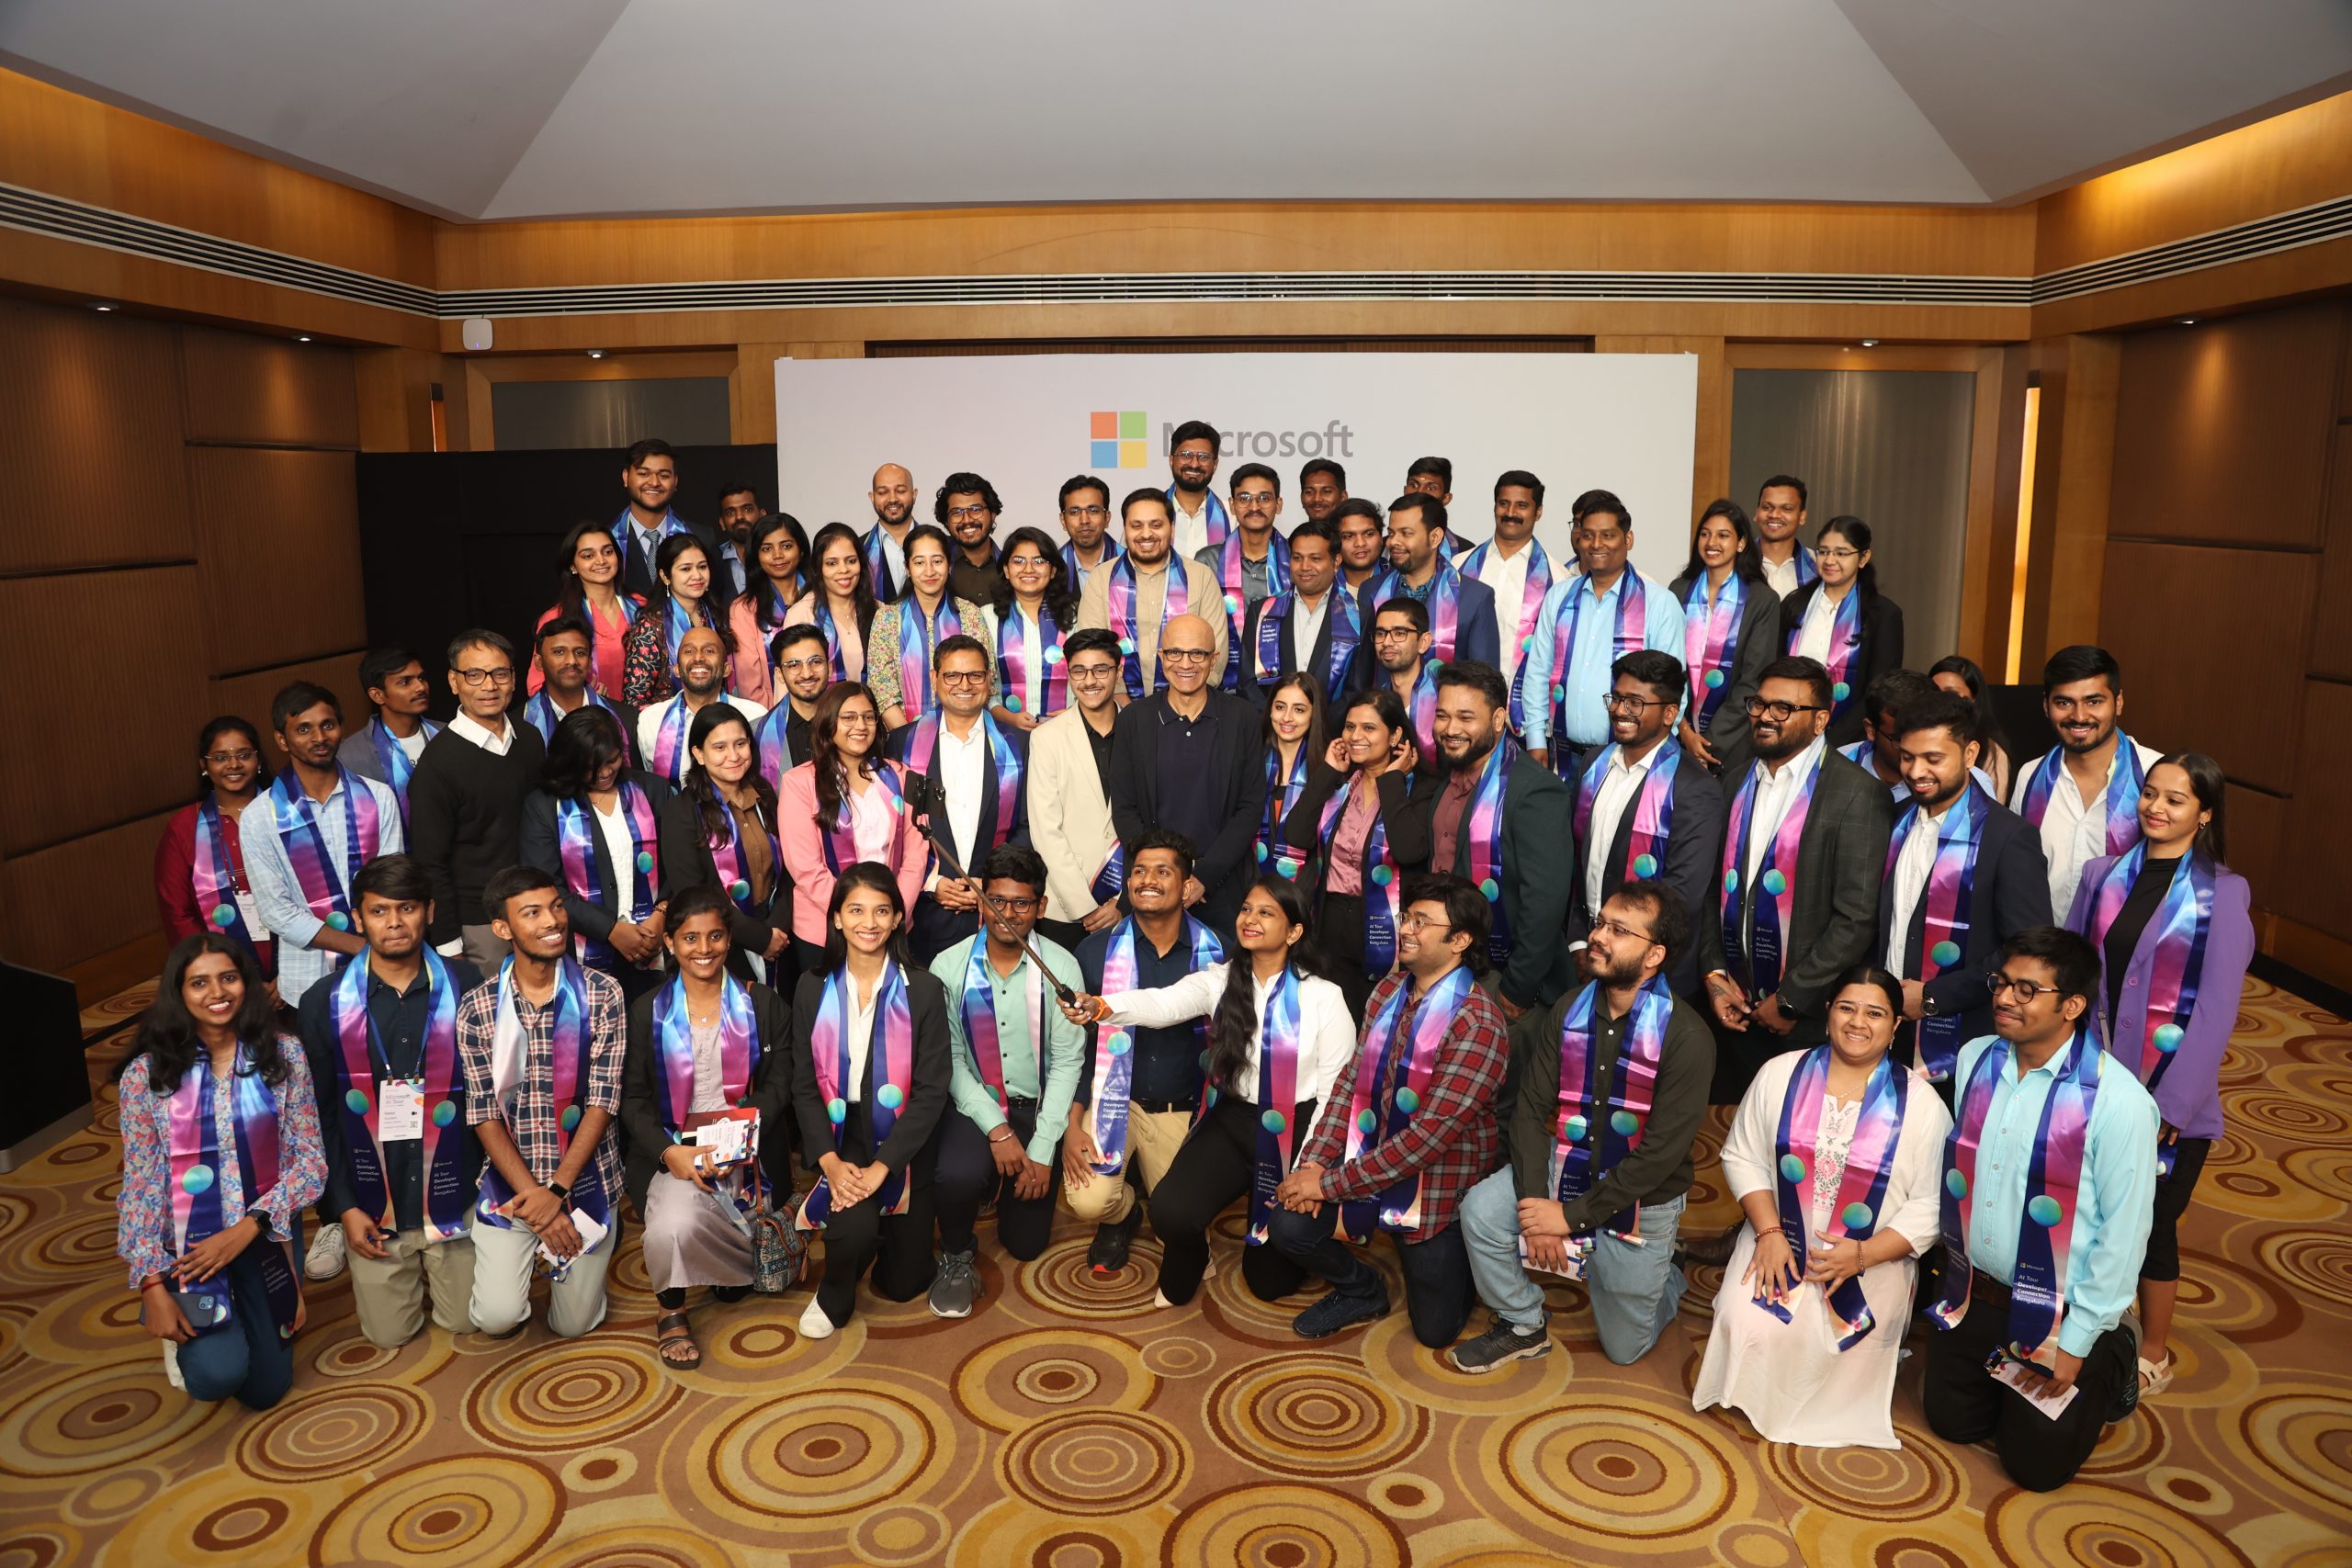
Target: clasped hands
(1773, 1276)
(853, 1184)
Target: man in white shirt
(2084, 796)
(1201, 519)
(1514, 565)
(1779, 522)
(662, 728)
(956, 750)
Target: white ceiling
(525, 109)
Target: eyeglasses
(1820, 554)
(1092, 671)
(1413, 923)
(1779, 713)
(955, 511)
(1627, 701)
(1387, 634)
(1096, 513)
(502, 676)
(1027, 563)
(1255, 497)
(1190, 459)
(226, 759)
(800, 666)
(846, 720)
(1618, 928)
(1183, 655)
(1999, 984)
(963, 677)
(1013, 906)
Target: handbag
(779, 1249)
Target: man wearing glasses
(1400, 647)
(1136, 597)
(1587, 624)
(1253, 564)
(803, 668)
(1085, 503)
(1070, 796)
(966, 506)
(977, 767)
(465, 802)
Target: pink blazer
(804, 854)
(749, 674)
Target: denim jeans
(1636, 1288)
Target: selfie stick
(920, 795)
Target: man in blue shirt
(1564, 700)
(2040, 1270)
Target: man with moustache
(1781, 549)
(1252, 565)
(1400, 650)
(465, 801)
(650, 476)
(893, 499)
(1315, 626)
(1322, 486)
(566, 654)
(973, 764)
(1880, 752)
(386, 747)
(739, 508)
(1146, 586)
(1587, 624)
(966, 506)
(2083, 796)
(1431, 477)
(1514, 566)
(803, 669)
(1462, 609)
(1365, 571)
(1085, 505)
(661, 730)
(1199, 517)
(1070, 825)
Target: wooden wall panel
(2310, 884)
(249, 695)
(89, 423)
(2332, 626)
(2258, 830)
(82, 897)
(244, 388)
(2223, 683)
(2221, 429)
(277, 534)
(110, 663)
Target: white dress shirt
(1327, 1033)
(1775, 792)
(649, 728)
(2073, 831)
(620, 848)
(1781, 575)
(1910, 881)
(1619, 786)
(1305, 627)
(963, 773)
(497, 743)
(861, 1038)
(1191, 528)
(1820, 620)
(277, 892)
(1507, 575)
(1033, 669)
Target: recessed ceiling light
(1870, 342)
(301, 337)
(101, 307)
(2188, 321)
(596, 354)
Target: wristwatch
(1786, 1010)
(1928, 1008)
(562, 1191)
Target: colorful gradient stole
(2181, 926)
(1861, 1185)
(1232, 574)
(679, 620)
(1275, 852)
(567, 1078)
(1215, 522)
(670, 755)
(1711, 643)
(1530, 611)
(2124, 779)
(397, 769)
(923, 743)
(1586, 1146)
(878, 566)
(361, 1063)
(734, 867)
(625, 534)
(2054, 1183)
(823, 617)
(771, 738)
(1626, 637)
(544, 716)
(1383, 898)
(1346, 622)
(1077, 570)
(1760, 951)
(1947, 904)
(918, 634)
(1652, 811)
(891, 1049)
(1391, 1084)
(1845, 648)
(673, 1047)
(1115, 1063)
(1482, 827)
(840, 841)
(1444, 601)
(1120, 597)
(578, 842)
(198, 1204)
(1012, 662)
(325, 884)
(1277, 1100)
(1422, 710)
(213, 877)
(979, 1002)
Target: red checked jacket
(1453, 1141)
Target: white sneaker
(814, 1322)
(324, 1260)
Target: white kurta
(1790, 1379)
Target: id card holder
(401, 1110)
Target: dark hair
(948, 547)
(1795, 667)
(718, 819)
(1939, 709)
(1252, 472)
(1318, 720)
(402, 878)
(167, 1034)
(1857, 532)
(1196, 430)
(583, 741)
(1669, 916)
(300, 696)
(1467, 910)
(1092, 639)
(964, 484)
(1233, 1023)
(1385, 705)
(1158, 498)
(2206, 782)
(1988, 723)
(1518, 479)
(1785, 482)
(2073, 962)
(1321, 528)
(1075, 483)
(569, 598)
(657, 600)
(734, 487)
(511, 884)
(652, 447)
(961, 642)
(799, 631)
(477, 636)
(560, 624)
(1868, 974)
(1443, 468)
(2081, 662)
(1061, 597)
(1016, 862)
(875, 877)
(1477, 674)
(1355, 506)
(767, 605)
(379, 665)
(700, 898)
(1893, 690)
(214, 729)
(1661, 672)
(1322, 466)
(864, 592)
(1167, 838)
(1432, 509)
(1743, 564)
(1594, 501)
(1404, 604)
(824, 757)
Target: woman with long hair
(1842, 622)
(870, 1076)
(2175, 935)
(588, 585)
(1034, 612)
(682, 597)
(1361, 828)
(846, 803)
(1958, 674)
(1731, 621)
(840, 601)
(200, 863)
(719, 830)
(898, 650)
(594, 822)
(780, 566)
(221, 1155)
(1279, 1035)
(1295, 743)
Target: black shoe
(1713, 1252)
(1502, 1343)
(1108, 1253)
(1336, 1311)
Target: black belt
(1020, 1102)
(1982, 1287)
(1162, 1107)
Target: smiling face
(1935, 766)
(1780, 513)
(311, 736)
(726, 754)
(927, 567)
(1361, 543)
(2170, 813)
(840, 567)
(2085, 712)
(232, 761)
(1862, 1025)
(1194, 463)
(689, 578)
(1602, 542)
(779, 555)
(1638, 716)
(1312, 566)
(1262, 926)
(651, 483)
(1150, 530)
(700, 943)
(962, 676)
(1093, 679)
(804, 668)
(1290, 715)
(969, 519)
(1026, 568)
(855, 727)
(1840, 561)
(1370, 742)
(564, 661)
(1398, 644)
(1777, 736)
(893, 495)
(1718, 543)
(595, 558)
(1318, 494)
(1155, 881)
(212, 989)
(702, 662)
(1465, 726)
(1412, 544)
(1086, 516)
(1184, 649)
(867, 918)
(535, 923)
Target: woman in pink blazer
(847, 784)
(779, 553)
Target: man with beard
(1400, 647)
(1787, 560)
(1514, 565)
(1363, 550)
(975, 769)
(1201, 519)
(702, 677)
(649, 475)
(386, 747)
(803, 669)
(1462, 609)
(1085, 503)
(1880, 750)
(1070, 796)
(739, 508)
(567, 659)
(966, 506)
(1316, 627)
(1148, 586)
(1252, 565)
(1613, 1088)
(884, 543)
(1506, 827)
(1587, 624)
(1322, 486)
(2084, 796)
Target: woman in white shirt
(1837, 1155)
(595, 823)
(1279, 1035)
(1843, 623)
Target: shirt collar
(494, 741)
(1617, 763)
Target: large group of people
(1375, 881)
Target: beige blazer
(1069, 818)
(1202, 597)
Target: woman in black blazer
(1724, 672)
(719, 830)
(1374, 756)
(1854, 631)
(589, 799)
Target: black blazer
(1539, 866)
(1694, 847)
(1760, 642)
(1405, 813)
(1882, 650)
(2012, 892)
(936, 928)
(686, 861)
(1351, 679)
(1235, 786)
(770, 1092)
(542, 847)
(914, 1143)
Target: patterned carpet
(1068, 1426)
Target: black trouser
(899, 1246)
(968, 1176)
(1965, 1405)
(1342, 927)
(2161, 1264)
(1062, 934)
(1438, 1291)
(1740, 1054)
(1217, 1166)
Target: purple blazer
(2190, 1097)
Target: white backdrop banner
(1620, 422)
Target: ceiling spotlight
(596, 354)
(1870, 342)
(2188, 321)
(101, 307)
(301, 337)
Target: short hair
(1321, 528)
(1442, 467)
(379, 665)
(1467, 910)
(1322, 466)
(1594, 501)
(734, 487)
(1785, 482)
(1093, 639)
(1404, 604)
(798, 631)
(652, 447)
(1518, 479)
(1196, 430)
(1147, 493)
(1669, 916)
(402, 878)
(965, 484)
(1016, 862)
(1077, 482)
(560, 625)
(480, 636)
(2081, 662)
(512, 882)
(1475, 672)
(1893, 690)
(1167, 838)
(300, 696)
(1354, 506)
(2073, 962)
(1432, 509)
(1252, 472)
(962, 642)
(1795, 667)
(1661, 672)
(1940, 709)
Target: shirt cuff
(2079, 1332)
(454, 948)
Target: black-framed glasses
(2000, 984)
(1013, 906)
(1255, 497)
(955, 511)
(502, 676)
(1628, 702)
(1778, 712)
(1092, 671)
(960, 678)
(1096, 513)
(1618, 928)
(1183, 655)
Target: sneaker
(1108, 1252)
(955, 1287)
(1502, 1343)
(815, 1321)
(325, 1258)
(1336, 1311)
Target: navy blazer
(1475, 635)
(1694, 848)
(2012, 892)
(1353, 676)
(935, 928)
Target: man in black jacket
(1317, 626)
(466, 799)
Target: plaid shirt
(1453, 1140)
(533, 1124)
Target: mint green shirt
(1017, 1045)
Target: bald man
(662, 728)
(893, 497)
(1190, 759)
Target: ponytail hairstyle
(1235, 1023)
(1857, 532)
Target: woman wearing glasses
(1731, 626)
(681, 599)
(846, 803)
(200, 864)
(1028, 625)
(898, 650)
(779, 552)
(1836, 1154)
(840, 602)
(1843, 623)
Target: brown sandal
(666, 1342)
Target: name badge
(402, 1118)
(249, 911)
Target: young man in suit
(1070, 796)
(1462, 609)
(968, 757)
(650, 476)
(1316, 625)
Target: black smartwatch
(1786, 1010)
(561, 1190)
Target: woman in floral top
(220, 1154)
(898, 648)
(681, 599)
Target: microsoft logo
(1118, 440)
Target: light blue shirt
(1065, 1045)
(1587, 679)
(2114, 1208)
(283, 909)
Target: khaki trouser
(389, 1291)
(1153, 1138)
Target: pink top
(749, 673)
(608, 659)
(852, 648)
(1344, 872)
(882, 834)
